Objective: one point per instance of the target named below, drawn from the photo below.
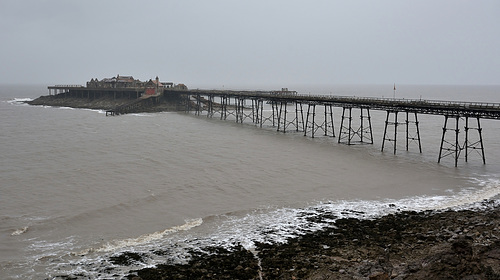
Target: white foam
(20, 101)
(20, 231)
(271, 225)
(141, 115)
(278, 225)
(489, 189)
(145, 238)
(94, 110)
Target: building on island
(284, 91)
(151, 87)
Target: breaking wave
(20, 231)
(143, 239)
(272, 225)
(20, 101)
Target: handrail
(66, 86)
(390, 101)
(334, 98)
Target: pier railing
(66, 86)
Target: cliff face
(103, 103)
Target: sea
(77, 187)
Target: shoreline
(104, 103)
(448, 244)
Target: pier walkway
(311, 114)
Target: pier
(313, 115)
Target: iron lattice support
(222, 107)
(475, 145)
(387, 123)
(225, 105)
(240, 109)
(210, 106)
(362, 133)
(299, 117)
(327, 124)
(273, 118)
(282, 116)
(258, 112)
(246, 113)
(453, 148)
(412, 137)
(257, 108)
(283, 122)
(198, 107)
(188, 103)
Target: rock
(379, 276)
(414, 267)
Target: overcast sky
(251, 43)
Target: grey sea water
(77, 187)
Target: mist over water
(76, 186)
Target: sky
(236, 43)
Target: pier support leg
(474, 145)
(282, 116)
(260, 112)
(328, 123)
(387, 123)
(255, 111)
(312, 123)
(198, 104)
(364, 129)
(223, 103)
(188, 103)
(347, 133)
(299, 117)
(210, 108)
(457, 147)
(274, 116)
(409, 136)
(453, 148)
(344, 128)
(240, 110)
(311, 112)
(395, 131)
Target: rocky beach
(449, 244)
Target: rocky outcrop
(104, 103)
